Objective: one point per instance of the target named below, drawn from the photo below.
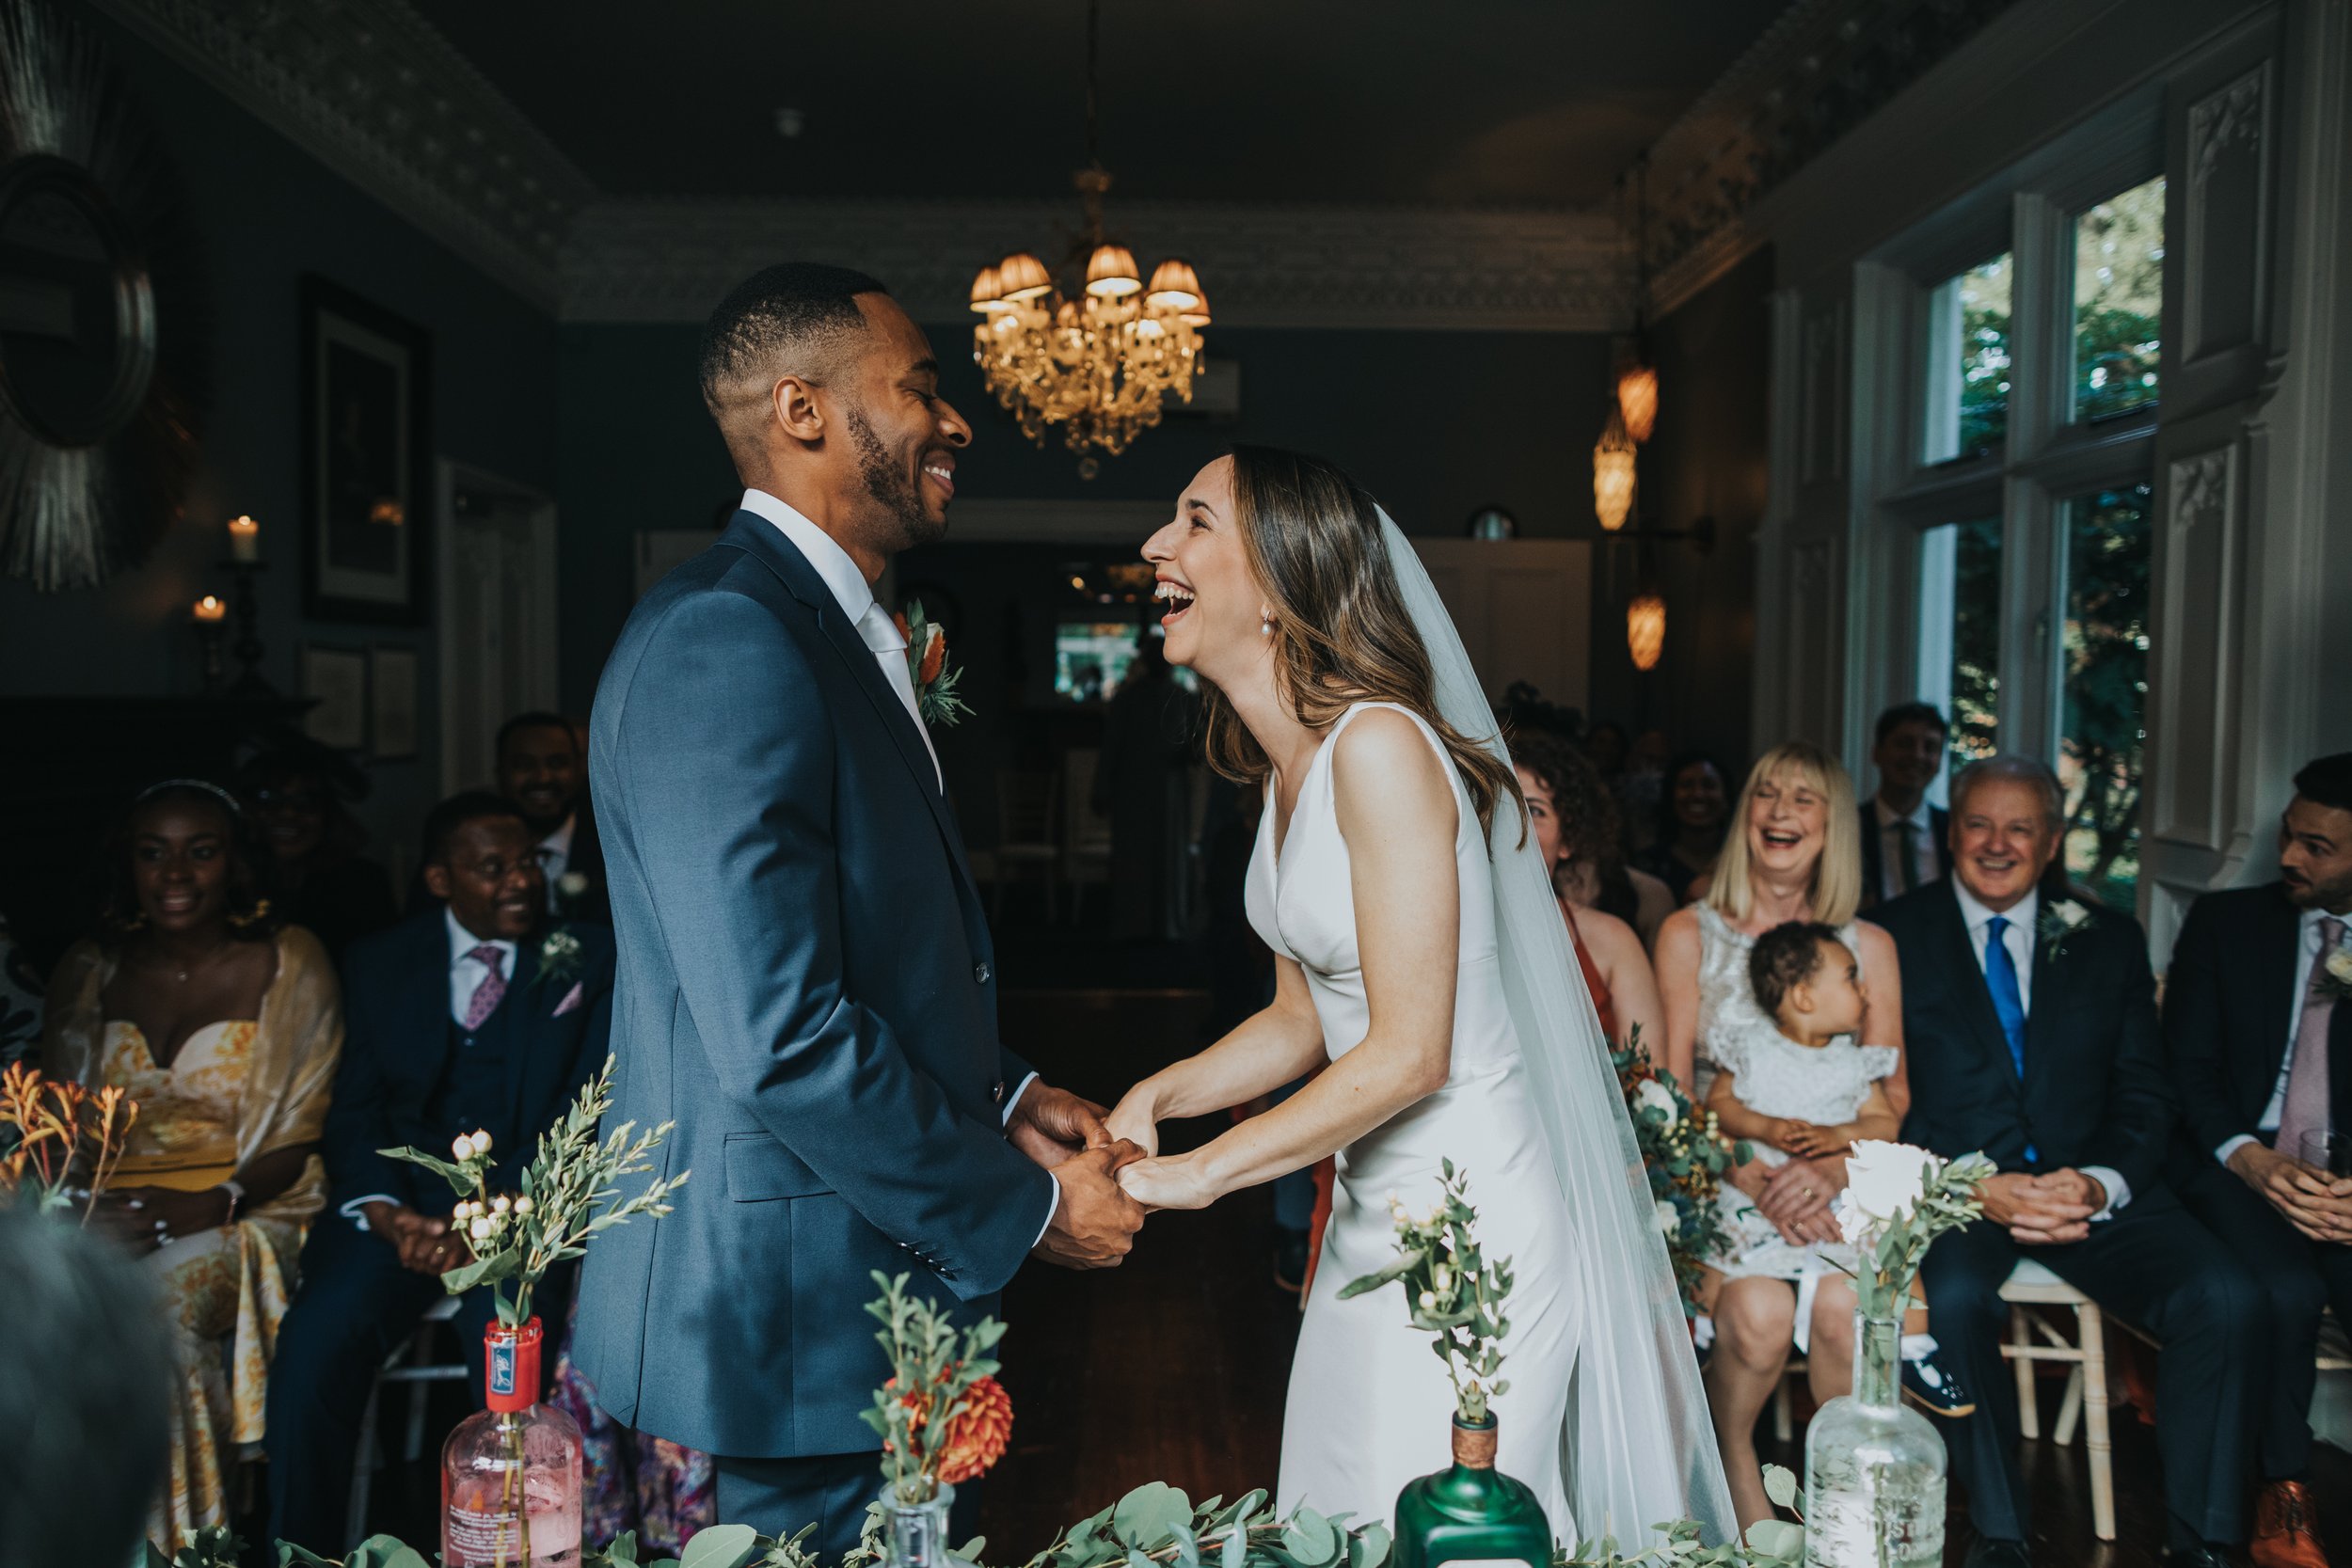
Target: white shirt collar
(1921, 819)
(560, 841)
(2020, 914)
(462, 942)
(849, 587)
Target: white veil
(1638, 1450)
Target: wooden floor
(1174, 1367)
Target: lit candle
(244, 540)
(210, 611)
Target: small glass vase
(1874, 1468)
(1472, 1511)
(511, 1474)
(916, 1534)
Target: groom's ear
(793, 402)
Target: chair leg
(2070, 1408)
(2094, 1376)
(1784, 1412)
(363, 1471)
(2029, 1409)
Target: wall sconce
(1612, 475)
(1646, 630)
(1637, 393)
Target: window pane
(2104, 718)
(1968, 370)
(1960, 632)
(2119, 301)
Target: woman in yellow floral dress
(226, 1032)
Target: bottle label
(475, 1537)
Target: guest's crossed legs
(2298, 1277)
(2155, 1266)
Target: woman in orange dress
(1575, 824)
(225, 1031)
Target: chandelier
(1100, 354)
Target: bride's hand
(1176, 1182)
(1137, 1120)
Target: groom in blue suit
(806, 983)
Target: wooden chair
(1028, 837)
(2030, 1289)
(411, 1362)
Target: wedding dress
(1605, 1420)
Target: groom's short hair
(791, 317)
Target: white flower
(2340, 966)
(1655, 1095)
(462, 1148)
(572, 885)
(1442, 1280)
(1428, 1299)
(1884, 1179)
(1669, 1217)
(480, 1143)
(522, 1204)
(501, 1203)
(2070, 914)
(561, 946)
(480, 1229)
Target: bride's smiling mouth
(1178, 597)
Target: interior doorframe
(542, 675)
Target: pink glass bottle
(511, 1474)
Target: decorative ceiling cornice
(377, 94)
(1821, 69)
(1331, 267)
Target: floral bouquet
(1451, 1291)
(943, 1416)
(1686, 1156)
(1898, 1198)
(49, 1130)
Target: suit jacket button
(980, 973)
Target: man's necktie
(2009, 1002)
(493, 987)
(2308, 1089)
(888, 644)
(1908, 831)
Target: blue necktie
(2009, 1003)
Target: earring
(1265, 625)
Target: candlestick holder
(208, 640)
(244, 603)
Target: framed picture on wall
(336, 682)
(366, 470)
(392, 702)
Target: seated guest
(2261, 1059)
(1906, 843)
(541, 769)
(225, 1029)
(1693, 812)
(1576, 829)
(297, 794)
(461, 1022)
(2032, 1027)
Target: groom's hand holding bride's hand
(1094, 1222)
(1051, 1125)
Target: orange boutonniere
(936, 696)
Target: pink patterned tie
(493, 987)
(2308, 1106)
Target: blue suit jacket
(398, 1042)
(807, 990)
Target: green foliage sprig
(934, 1368)
(1686, 1157)
(567, 1195)
(1451, 1291)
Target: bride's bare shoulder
(1387, 776)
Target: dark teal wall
(265, 212)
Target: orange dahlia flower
(934, 656)
(977, 1436)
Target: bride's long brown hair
(1341, 633)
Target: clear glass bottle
(917, 1532)
(1472, 1512)
(1873, 1468)
(511, 1474)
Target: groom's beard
(893, 485)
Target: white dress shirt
(2018, 937)
(555, 857)
(466, 975)
(1925, 866)
(855, 596)
(2307, 934)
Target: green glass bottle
(1473, 1513)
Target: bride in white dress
(1421, 955)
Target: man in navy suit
(462, 1018)
(1906, 843)
(808, 986)
(2030, 1025)
(2261, 1055)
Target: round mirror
(77, 311)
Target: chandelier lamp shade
(1637, 395)
(1612, 475)
(1645, 629)
(1097, 352)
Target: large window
(2027, 495)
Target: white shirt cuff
(1052, 1207)
(1014, 1098)
(356, 1211)
(2119, 1191)
(2232, 1145)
